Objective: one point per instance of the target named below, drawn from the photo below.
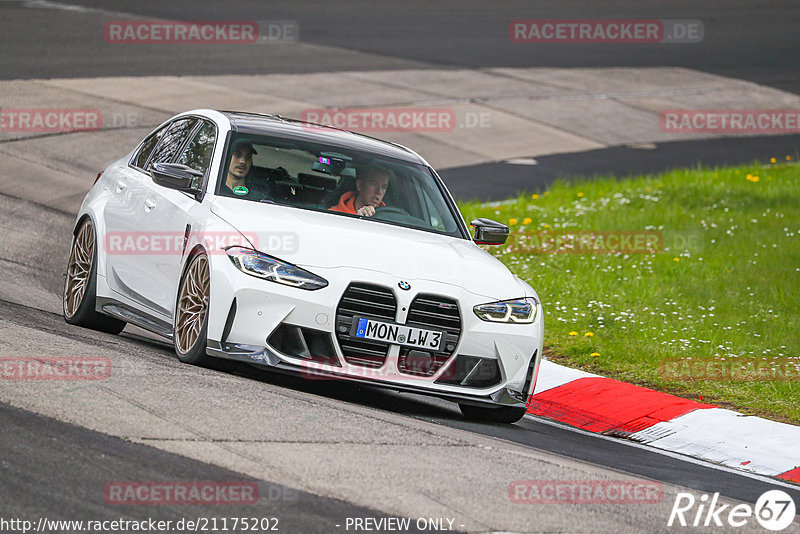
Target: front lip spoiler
(268, 358)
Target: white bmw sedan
(309, 250)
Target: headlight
(262, 266)
(508, 311)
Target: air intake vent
(471, 371)
(431, 312)
(369, 301)
(306, 343)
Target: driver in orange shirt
(371, 186)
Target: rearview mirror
(175, 176)
(489, 232)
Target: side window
(172, 141)
(148, 146)
(199, 150)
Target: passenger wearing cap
(243, 180)
(241, 161)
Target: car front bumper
(498, 362)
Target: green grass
(724, 287)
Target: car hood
(324, 240)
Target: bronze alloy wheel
(79, 269)
(192, 305)
(80, 284)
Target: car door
(128, 188)
(168, 214)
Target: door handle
(149, 204)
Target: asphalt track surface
(755, 40)
(77, 464)
(57, 470)
(54, 468)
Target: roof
(275, 125)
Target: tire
(190, 328)
(80, 285)
(500, 414)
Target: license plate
(398, 334)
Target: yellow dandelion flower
(573, 333)
(788, 158)
(512, 221)
(752, 178)
(589, 334)
(537, 196)
(580, 194)
(772, 160)
(676, 259)
(527, 220)
(547, 226)
(595, 354)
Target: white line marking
(521, 161)
(675, 455)
(45, 4)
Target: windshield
(339, 181)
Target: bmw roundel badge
(405, 286)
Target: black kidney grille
(372, 302)
(431, 312)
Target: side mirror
(175, 176)
(489, 232)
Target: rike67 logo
(774, 510)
